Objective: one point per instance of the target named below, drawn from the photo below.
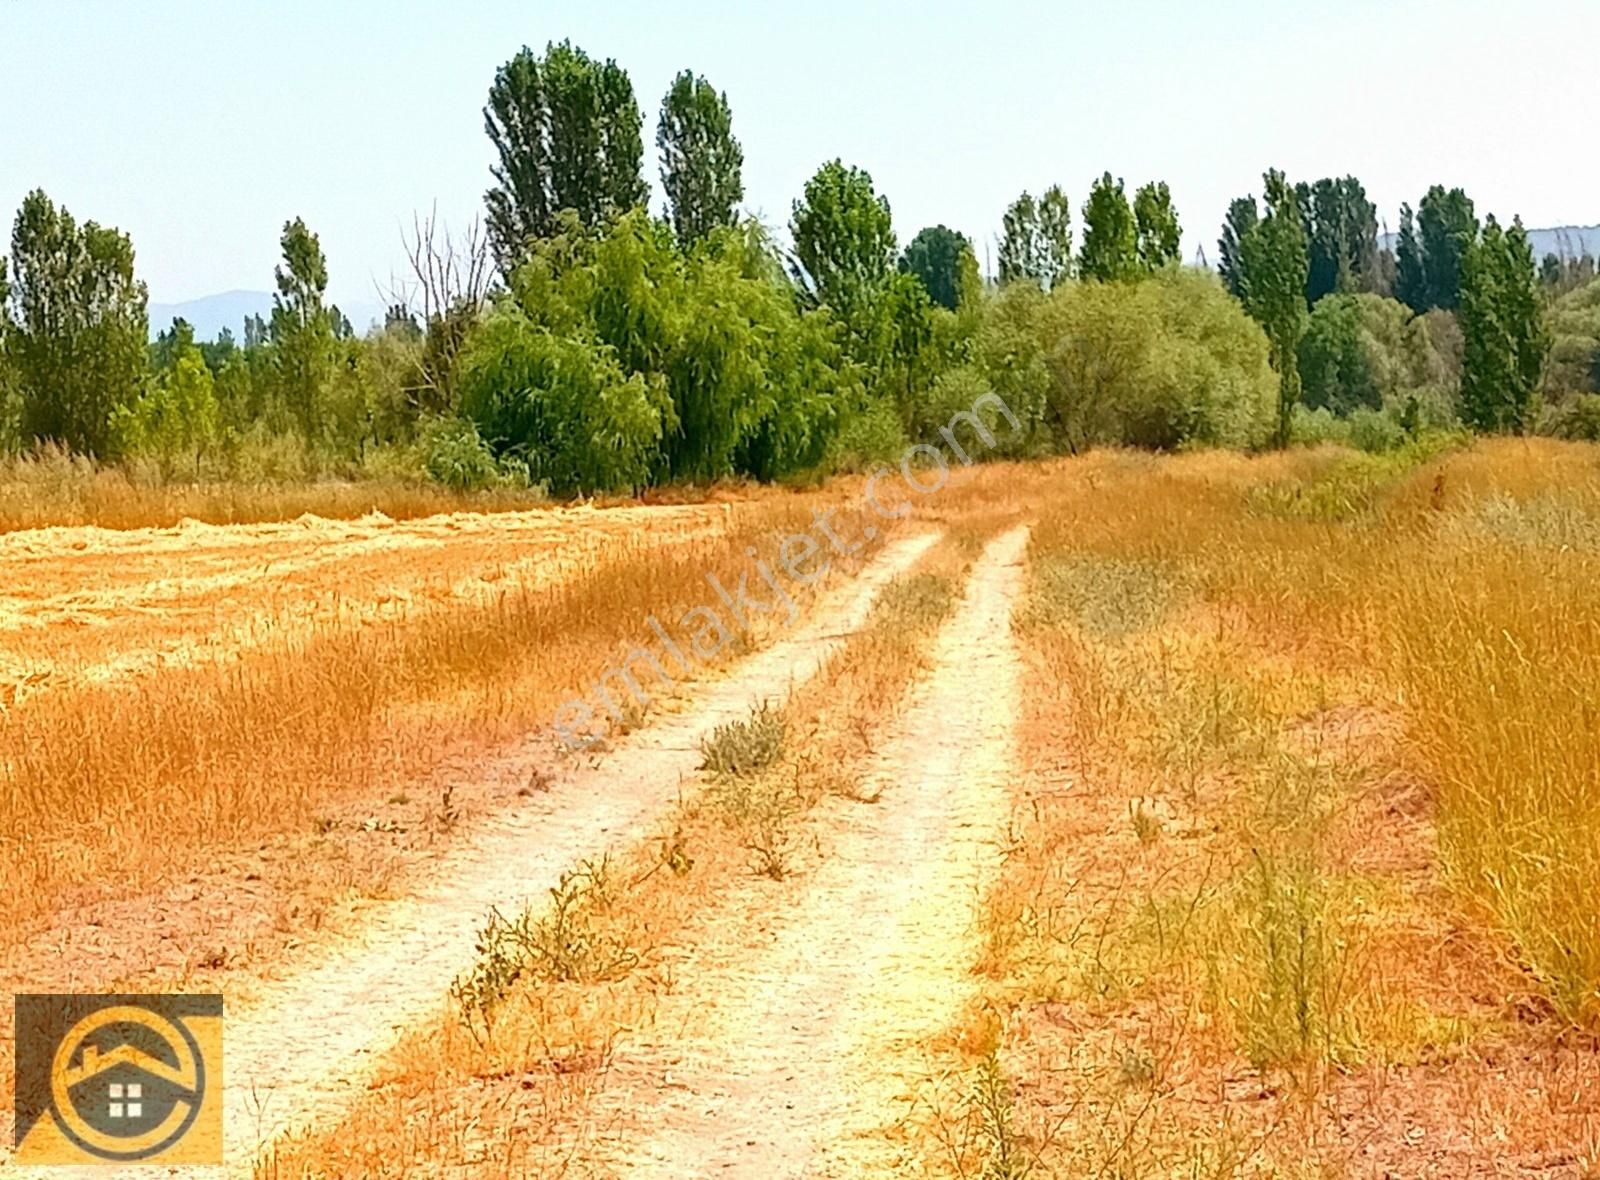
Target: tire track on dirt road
(786, 1058)
(305, 1045)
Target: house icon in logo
(126, 1091)
(118, 1078)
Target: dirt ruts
(781, 1056)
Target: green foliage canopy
(1110, 234)
(77, 331)
(1502, 322)
(937, 256)
(701, 161)
(566, 131)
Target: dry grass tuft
(1295, 884)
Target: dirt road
(292, 1055)
(782, 1055)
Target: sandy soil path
(784, 1058)
(305, 1043)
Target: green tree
(177, 418)
(1242, 217)
(936, 256)
(844, 242)
(170, 343)
(1156, 221)
(1055, 238)
(1448, 225)
(1273, 277)
(78, 332)
(566, 130)
(1336, 364)
(1503, 326)
(562, 405)
(1341, 228)
(302, 327)
(1021, 242)
(1110, 236)
(1163, 363)
(704, 361)
(701, 161)
(10, 432)
(1410, 275)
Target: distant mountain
(1565, 241)
(230, 310)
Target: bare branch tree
(444, 294)
(446, 271)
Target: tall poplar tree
(1110, 237)
(701, 161)
(1448, 225)
(302, 326)
(1410, 273)
(78, 326)
(844, 244)
(566, 130)
(1156, 222)
(1055, 237)
(1021, 241)
(1505, 338)
(1273, 276)
(1242, 217)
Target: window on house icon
(126, 1110)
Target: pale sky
(200, 127)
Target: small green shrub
(1578, 419)
(869, 436)
(763, 811)
(1375, 432)
(743, 747)
(455, 456)
(1309, 428)
(1292, 1011)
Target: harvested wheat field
(1134, 816)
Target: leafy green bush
(703, 362)
(1577, 419)
(1309, 428)
(1167, 362)
(871, 435)
(453, 455)
(561, 406)
(1375, 432)
(1369, 351)
(175, 421)
(1574, 366)
(744, 747)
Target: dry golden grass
(348, 702)
(1300, 881)
(53, 488)
(1299, 873)
(87, 604)
(505, 1082)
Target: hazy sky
(200, 127)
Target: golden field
(1285, 863)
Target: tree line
(580, 342)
